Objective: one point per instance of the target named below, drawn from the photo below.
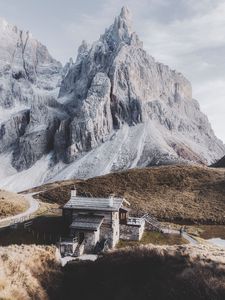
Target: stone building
(93, 221)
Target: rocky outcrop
(220, 163)
(29, 78)
(94, 122)
(12, 129)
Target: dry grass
(171, 193)
(11, 204)
(207, 231)
(149, 272)
(27, 272)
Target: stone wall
(105, 232)
(111, 231)
(90, 240)
(131, 232)
(115, 229)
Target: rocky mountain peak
(124, 21)
(82, 51)
(120, 31)
(125, 13)
(140, 93)
(4, 25)
(28, 87)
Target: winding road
(19, 218)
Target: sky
(187, 35)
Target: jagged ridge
(139, 91)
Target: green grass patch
(156, 238)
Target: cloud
(187, 36)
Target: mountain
(29, 112)
(117, 108)
(28, 92)
(220, 163)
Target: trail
(19, 218)
(185, 235)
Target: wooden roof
(88, 203)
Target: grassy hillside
(148, 272)
(173, 193)
(159, 273)
(28, 272)
(11, 204)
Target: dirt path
(19, 218)
(185, 235)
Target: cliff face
(149, 101)
(29, 77)
(117, 108)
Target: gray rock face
(141, 91)
(38, 139)
(94, 122)
(12, 129)
(116, 108)
(220, 163)
(29, 77)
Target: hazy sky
(188, 35)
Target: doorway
(80, 237)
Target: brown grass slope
(28, 272)
(172, 193)
(11, 204)
(157, 273)
(148, 272)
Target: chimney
(74, 192)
